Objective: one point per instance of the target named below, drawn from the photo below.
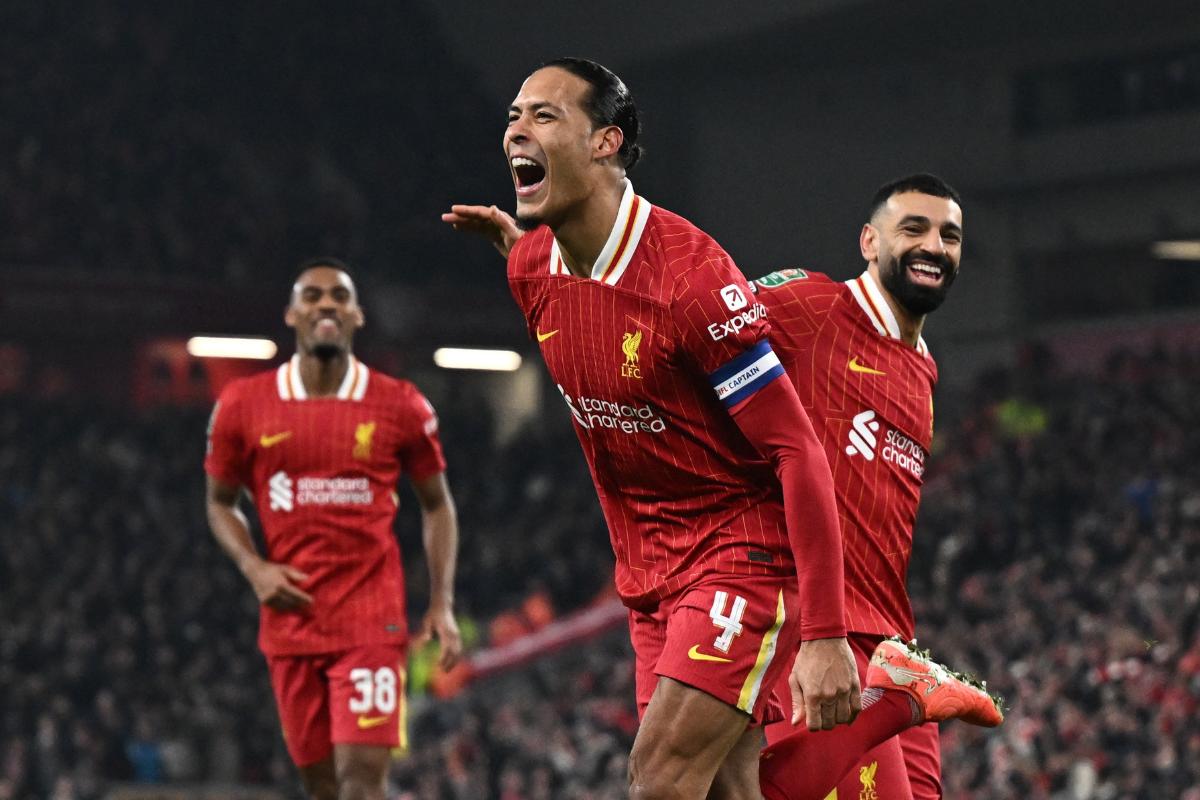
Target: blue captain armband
(743, 376)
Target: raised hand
(489, 221)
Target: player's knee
(660, 774)
(321, 788)
(653, 791)
(736, 782)
(361, 780)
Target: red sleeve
(224, 457)
(715, 312)
(420, 447)
(775, 422)
(523, 271)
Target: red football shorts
(905, 767)
(353, 696)
(728, 636)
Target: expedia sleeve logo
(733, 325)
(734, 297)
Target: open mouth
(926, 272)
(528, 174)
(326, 325)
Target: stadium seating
(1053, 559)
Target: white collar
(870, 298)
(291, 385)
(626, 233)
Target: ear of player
(939, 692)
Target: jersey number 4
(730, 625)
(376, 690)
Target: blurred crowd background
(162, 170)
(1054, 555)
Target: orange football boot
(939, 692)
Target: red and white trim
(291, 385)
(870, 298)
(623, 240)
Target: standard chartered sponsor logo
(904, 452)
(280, 488)
(719, 330)
(591, 412)
(286, 494)
(862, 435)
(897, 449)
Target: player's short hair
(921, 182)
(322, 261)
(609, 103)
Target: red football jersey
(870, 398)
(648, 352)
(323, 474)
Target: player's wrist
(822, 634)
(250, 564)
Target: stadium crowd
(127, 642)
(1060, 517)
(224, 140)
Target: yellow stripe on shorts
(766, 652)
(402, 697)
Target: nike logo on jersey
(863, 368)
(695, 655)
(541, 337)
(274, 438)
(371, 722)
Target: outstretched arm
(275, 585)
(440, 533)
(495, 225)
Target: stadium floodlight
(231, 347)
(1179, 250)
(477, 358)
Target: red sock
(807, 765)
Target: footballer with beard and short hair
(913, 243)
(855, 354)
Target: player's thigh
(684, 737)
(362, 768)
(320, 780)
(923, 760)
(366, 697)
(862, 645)
(722, 641)
(881, 774)
(648, 635)
(301, 696)
(737, 777)
(733, 638)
